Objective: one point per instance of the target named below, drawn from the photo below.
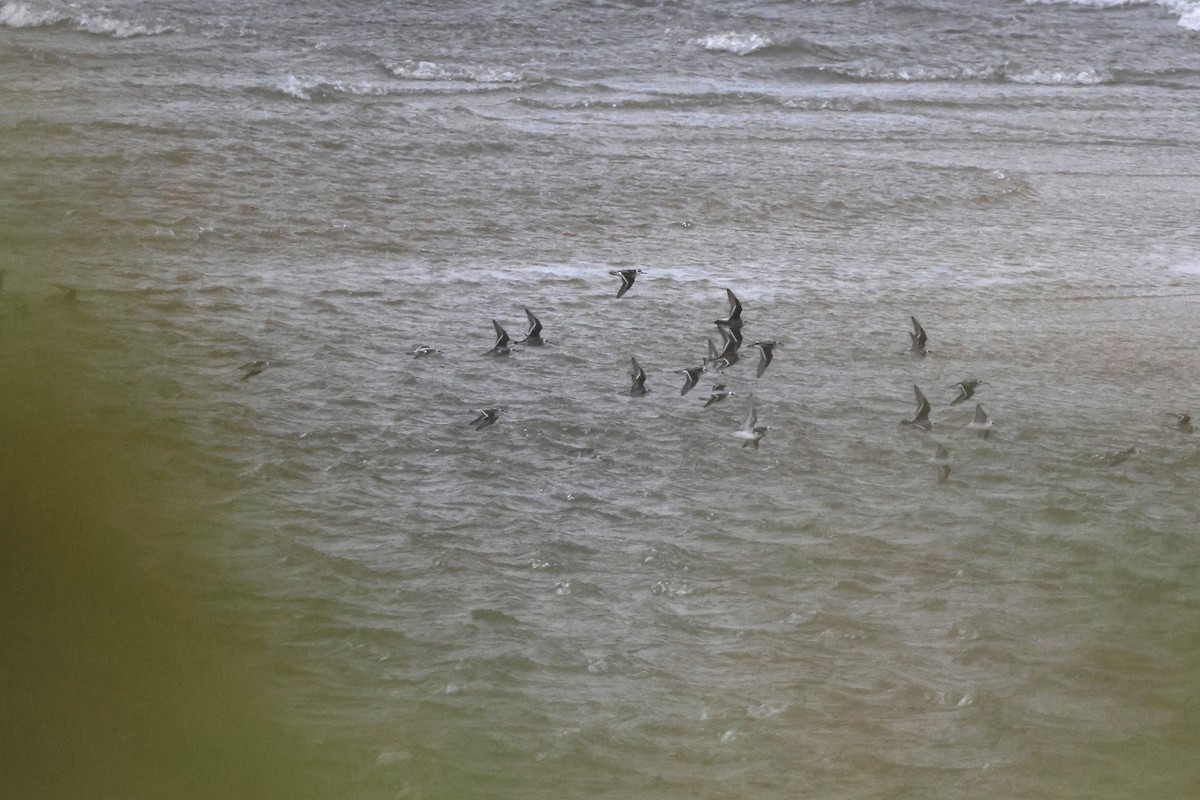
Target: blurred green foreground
(117, 678)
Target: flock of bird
(717, 361)
(728, 354)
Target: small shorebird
(533, 337)
(751, 432)
(486, 417)
(503, 343)
(693, 377)
(628, 276)
(764, 360)
(734, 320)
(918, 338)
(941, 460)
(716, 362)
(980, 423)
(1119, 457)
(719, 393)
(70, 293)
(921, 418)
(253, 368)
(638, 375)
(966, 390)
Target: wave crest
(29, 15)
(733, 42)
(430, 71)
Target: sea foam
(1188, 10)
(737, 43)
(28, 15)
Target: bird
(921, 418)
(751, 432)
(941, 460)
(980, 423)
(919, 338)
(424, 350)
(729, 353)
(638, 388)
(70, 293)
(503, 343)
(693, 376)
(764, 360)
(533, 337)
(628, 276)
(734, 320)
(966, 389)
(253, 368)
(719, 393)
(1184, 423)
(1119, 457)
(486, 417)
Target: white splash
(430, 71)
(22, 15)
(302, 88)
(737, 43)
(1059, 77)
(1188, 10)
(30, 15)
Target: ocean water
(322, 580)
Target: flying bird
(764, 360)
(486, 417)
(1120, 457)
(638, 375)
(503, 343)
(628, 276)
(751, 432)
(693, 377)
(918, 339)
(253, 368)
(719, 393)
(729, 353)
(966, 390)
(533, 337)
(941, 461)
(980, 423)
(734, 320)
(921, 418)
(424, 350)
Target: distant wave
(737, 43)
(430, 71)
(322, 89)
(744, 44)
(999, 73)
(1188, 10)
(35, 15)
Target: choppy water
(606, 595)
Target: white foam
(302, 87)
(430, 71)
(738, 43)
(1187, 268)
(29, 15)
(118, 29)
(1059, 77)
(1188, 10)
(22, 15)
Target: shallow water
(600, 594)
